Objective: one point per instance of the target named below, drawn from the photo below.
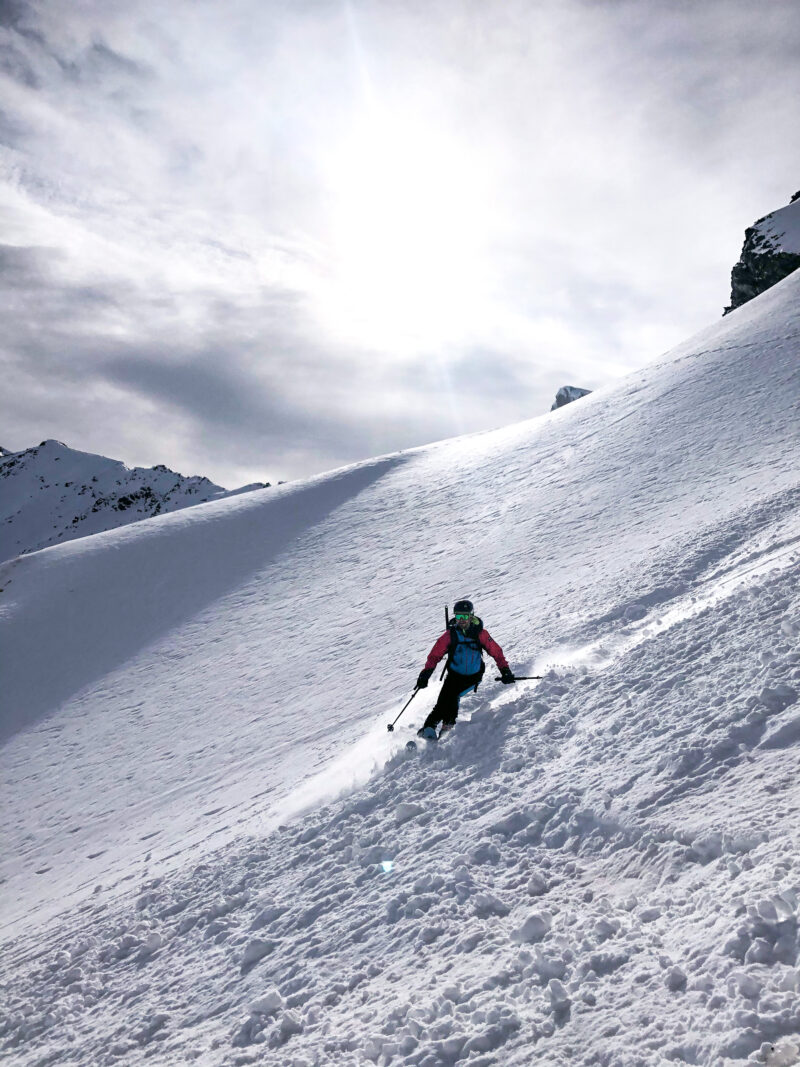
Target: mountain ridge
(42, 504)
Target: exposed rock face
(771, 250)
(51, 493)
(566, 394)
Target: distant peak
(567, 393)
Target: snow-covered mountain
(213, 851)
(51, 493)
(771, 251)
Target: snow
(781, 228)
(50, 494)
(214, 852)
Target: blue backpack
(465, 655)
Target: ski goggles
(461, 617)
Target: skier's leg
(446, 707)
(467, 683)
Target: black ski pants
(445, 710)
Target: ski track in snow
(598, 869)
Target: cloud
(24, 268)
(249, 381)
(274, 239)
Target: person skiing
(464, 641)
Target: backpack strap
(472, 636)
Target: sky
(258, 240)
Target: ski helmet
(462, 607)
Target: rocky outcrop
(567, 393)
(771, 250)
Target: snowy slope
(601, 868)
(51, 493)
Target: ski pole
(390, 726)
(523, 678)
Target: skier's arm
(494, 650)
(438, 650)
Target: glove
(422, 681)
(507, 676)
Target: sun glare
(409, 218)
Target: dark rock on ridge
(567, 393)
(771, 251)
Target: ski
(430, 735)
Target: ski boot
(428, 733)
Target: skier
(464, 642)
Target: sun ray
(409, 209)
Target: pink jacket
(442, 647)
